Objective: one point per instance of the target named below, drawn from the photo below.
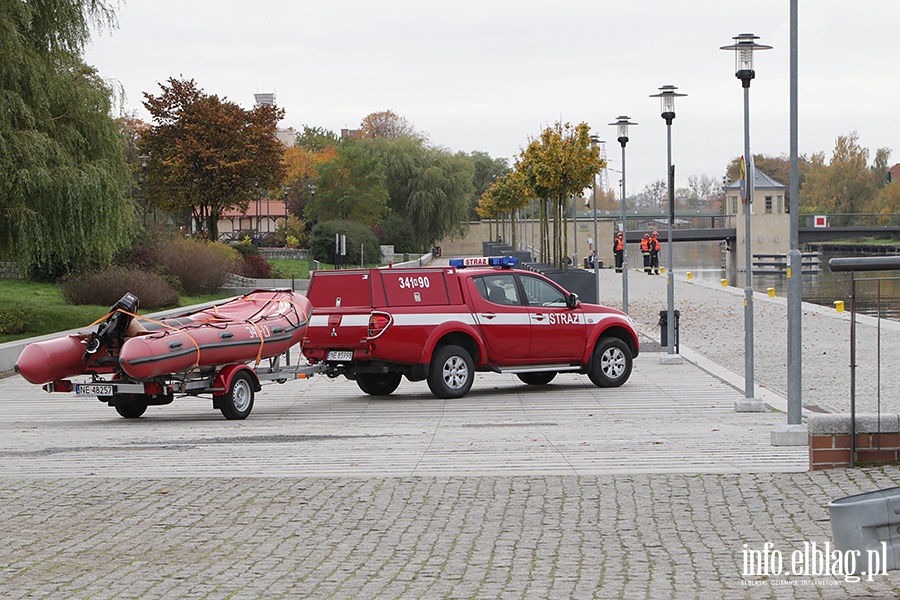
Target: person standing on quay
(654, 252)
(645, 252)
(619, 250)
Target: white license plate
(93, 389)
(340, 355)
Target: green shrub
(18, 319)
(246, 246)
(202, 267)
(321, 242)
(106, 287)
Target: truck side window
(499, 289)
(541, 293)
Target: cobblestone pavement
(648, 491)
(628, 536)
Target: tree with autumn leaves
(557, 165)
(209, 155)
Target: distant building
(287, 137)
(894, 173)
(351, 134)
(769, 217)
(268, 99)
(263, 216)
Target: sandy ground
(712, 324)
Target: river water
(877, 291)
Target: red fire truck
(442, 324)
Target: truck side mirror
(572, 300)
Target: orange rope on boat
(167, 326)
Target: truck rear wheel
(238, 402)
(610, 363)
(451, 373)
(542, 378)
(378, 384)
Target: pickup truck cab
(442, 324)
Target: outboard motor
(111, 334)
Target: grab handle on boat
(227, 335)
(175, 345)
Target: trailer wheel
(129, 407)
(378, 384)
(238, 402)
(542, 378)
(451, 373)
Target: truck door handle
(488, 315)
(537, 317)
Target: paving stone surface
(657, 489)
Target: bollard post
(839, 305)
(771, 292)
(690, 275)
(724, 283)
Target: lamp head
(744, 45)
(622, 123)
(667, 95)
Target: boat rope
(167, 326)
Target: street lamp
(144, 158)
(595, 144)
(667, 95)
(744, 45)
(622, 123)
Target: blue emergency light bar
(484, 261)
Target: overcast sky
(489, 75)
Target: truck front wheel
(451, 372)
(610, 363)
(378, 384)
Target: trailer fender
(226, 374)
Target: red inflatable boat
(261, 324)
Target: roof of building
(761, 181)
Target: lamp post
(744, 45)
(144, 158)
(595, 144)
(622, 123)
(667, 95)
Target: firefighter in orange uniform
(654, 252)
(619, 251)
(645, 252)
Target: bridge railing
(854, 220)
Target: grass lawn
(52, 313)
(285, 268)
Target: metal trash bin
(868, 524)
(664, 327)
